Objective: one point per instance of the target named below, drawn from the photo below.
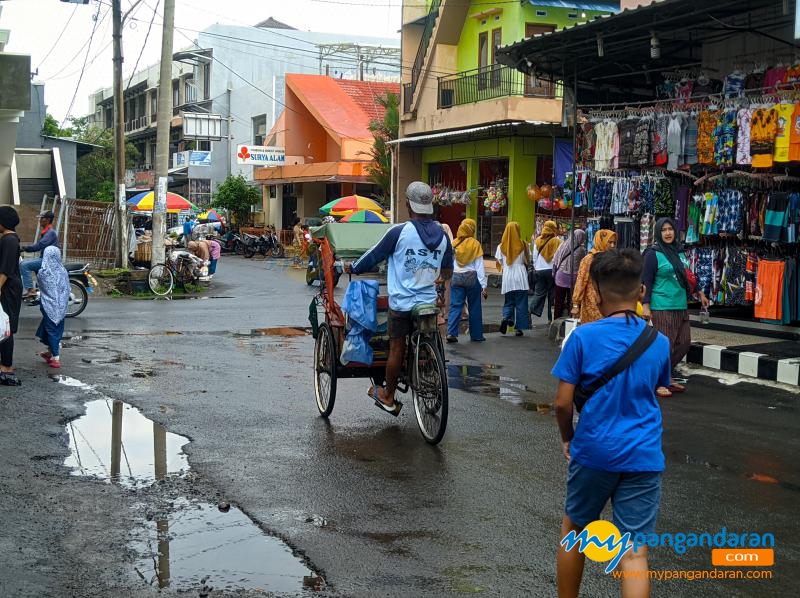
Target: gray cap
(420, 196)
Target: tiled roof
(364, 93)
(344, 106)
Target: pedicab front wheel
(325, 370)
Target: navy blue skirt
(50, 333)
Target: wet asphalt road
(361, 497)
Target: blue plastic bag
(361, 306)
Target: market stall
(689, 109)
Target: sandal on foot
(503, 326)
(519, 333)
(676, 388)
(45, 355)
(393, 410)
(9, 379)
(54, 363)
(663, 392)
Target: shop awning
(483, 132)
(679, 28)
(329, 172)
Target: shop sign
(144, 178)
(192, 158)
(258, 155)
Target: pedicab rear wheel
(325, 370)
(430, 391)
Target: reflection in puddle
(484, 379)
(191, 542)
(114, 441)
(223, 549)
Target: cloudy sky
(37, 24)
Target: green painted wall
(522, 154)
(512, 21)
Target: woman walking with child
(54, 296)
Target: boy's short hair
(618, 272)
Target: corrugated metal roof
(682, 27)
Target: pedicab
(423, 373)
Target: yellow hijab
(545, 244)
(511, 244)
(601, 240)
(466, 246)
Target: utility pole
(164, 116)
(120, 218)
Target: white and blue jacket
(415, 252)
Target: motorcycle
(249, 244)
(81, 284)
(230, 243)
(270, 243)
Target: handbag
(465, 279)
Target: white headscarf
(53, 285)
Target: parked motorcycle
(230, 243)
(81, 283)
(249, 244)
(271, 243)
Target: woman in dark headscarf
(667, 292)
(566, 262)
(10, 291)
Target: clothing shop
(691, 110)
(484, 174)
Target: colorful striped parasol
(143, 202)
(365, 216)
(349, 204)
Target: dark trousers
(561, 300)
(515, 309)
(543, 291)
(7, 352)
(472, 297)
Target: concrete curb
(746, 363)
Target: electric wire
(144, 45)
(58, 39)
(83, 69)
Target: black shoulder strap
(640, 345)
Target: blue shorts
(635, 497)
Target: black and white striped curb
(746, 363)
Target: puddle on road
(484, 380)
(115, 442)
(195, 545)
(202, 545)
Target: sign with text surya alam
(257, 155)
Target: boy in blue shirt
(615, 452)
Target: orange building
(324, 129)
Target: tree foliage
(51, 128)
(383, 131)
(237, 196)
(95, 170)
